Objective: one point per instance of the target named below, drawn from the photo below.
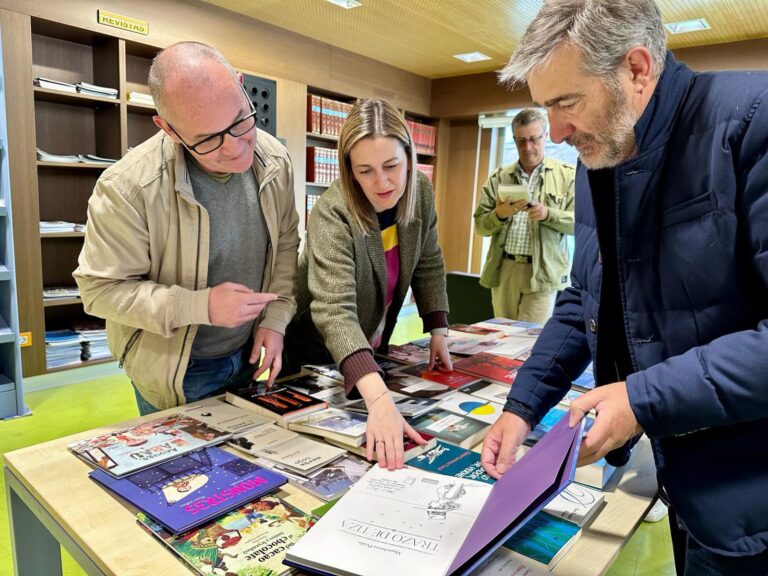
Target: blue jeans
(702, 562)
(205, 377)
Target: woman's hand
(386, 426)
(438, 350)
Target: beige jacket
(144, 264)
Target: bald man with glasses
(527, 210)
(192, 239)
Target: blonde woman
(370, 236)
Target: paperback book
(470, 346)
(225, 417)
(451, 460)
(411, 521)
(468, 405)
(450, 378)
(409, 353)
(415, 387)
(454, 428)
(331, 481)
(410, 448)
(191, 490)
(328, 370)
(490, 366)
(504, 562)
(408, 407)
(281, 405)
(252, 539)
(341, 425)
(543, 540)
(489, 391)
(576, 503)
(287, 449)
(146, 444)
(477, 330)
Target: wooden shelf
(80, 364)
(75, 165)
(76, 99)
(61, 302)
(62, 234)
(325, 137)
(426, 154)
(140, 108)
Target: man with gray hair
(191, 244)
(527, 210)
(670, 276)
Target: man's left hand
(537, 211)
(272, 342)
(614, 425)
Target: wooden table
(52, 501)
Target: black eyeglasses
(529, 140)
(216, 141)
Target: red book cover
(490, 366)
(452, 379)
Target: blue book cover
(453, 461)
(544, 538)
(545, 425)
(191, 490)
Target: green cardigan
(342, 278)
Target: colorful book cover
(544, 539)
(143, 445)
(410, 353)
(453, 428)
(472, 329)
(491, 366)
(191, 490)
(451, 460)
(470, 346)
(281, 405)
(545, 425)
(331, 481)
(468, 405)
(408, 407)
(450, 378)
(320, 511)
(414, 387)
(250, 540)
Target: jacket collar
(264, 166)
(657, 120)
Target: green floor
(61, 411)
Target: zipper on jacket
(128, 346)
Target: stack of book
(281, 405)
(60, 292)
(62, 348)
(141, 98)
(322, 165)
(94, 90)
(59, 226)
(73, 158)
(49, 84)
(94, 343)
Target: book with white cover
(492, 392)
(576, 503)
(504, 562)
(468, 405)
(411, 521)
(288, 449)
(49, 84)
(223, 416)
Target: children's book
(450, 378)
(451, 460)
(225, 417)
(192, 490)
(320, 511)
(287, 449)
(454, 428)
(498, 368)
(148, 443)
(251, 539)
(411, 521)
(543, 540)
(472, 406)
(282, 405)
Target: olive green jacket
(550, 258)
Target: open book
(412, 521)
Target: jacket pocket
(687, 210)
(129, 345)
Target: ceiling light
(347, 4)
(695, 25)
(472, 57)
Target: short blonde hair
(368, 119)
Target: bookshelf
(64, 124)
(325, 115)
(11, 388)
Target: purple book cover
(522, 491)
(191, 490)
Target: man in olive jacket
(191, 245)
(527, 209)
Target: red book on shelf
(314, 114)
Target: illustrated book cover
(148, 443)
(411, 521)
(281, 404)
(251, 539)
(194, 489)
